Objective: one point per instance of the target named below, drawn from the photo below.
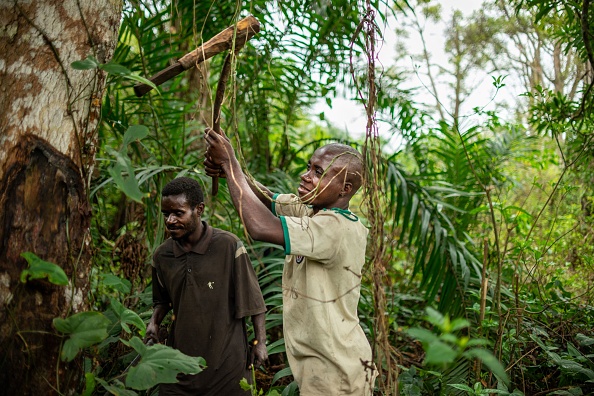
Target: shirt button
(189, 269)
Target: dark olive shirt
(211, 289)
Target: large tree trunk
(48, 120)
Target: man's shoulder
(164, 248)
(224, 235)
(342, 219)
(228, 240)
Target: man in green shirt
(324, 243)
(204, 275)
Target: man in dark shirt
(204, 275)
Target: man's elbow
(258, 233)
(264, 234)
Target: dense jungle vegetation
(479, 276)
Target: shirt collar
(200, 247)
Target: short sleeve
(316, 237)
(160, 294)
(289, 205)
(248, 296)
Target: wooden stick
(216, 109)
(239, 33)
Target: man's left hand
(218, 148)
(259, 355)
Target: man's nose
(305, 176)
(170, 219)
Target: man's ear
(199, 208)
(346, 189)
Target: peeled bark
(49, 114)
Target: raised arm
(261, 191)
(253, 207)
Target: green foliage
(245, 385)
(159, 364)
(90, 63)
(575, 367)
(90, 384)
(445, 348)
(117, 389)
(127, 317)
(122, 171)
(83, 329)
(445, 262)
(478, 389)
(449, 190)
(115, 282)
(39, 269)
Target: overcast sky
(349, 115)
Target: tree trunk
(48, 122)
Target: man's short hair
(184, 186)
(349, 157)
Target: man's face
(180, 219)
(323, 182)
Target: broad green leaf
(134, 132)
(481, 208)
(423, 335)
(114, 68)
(449, 338)
(130, 317)
(84, 329)
(490, 361)
(159, 364)
(123, 176)
(439, 353)
(477, 342)
(87, 64)
(39, 269)
(122, 285)
(118, 389)
(434, 317)
(245, 385)
(127, 317)
(458, 324)
(90, 384)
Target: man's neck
(188, 243)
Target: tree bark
(49, 114)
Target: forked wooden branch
(239, 33)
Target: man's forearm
(262, 192)
(159, 313)
(260, 223)
(259, 322)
